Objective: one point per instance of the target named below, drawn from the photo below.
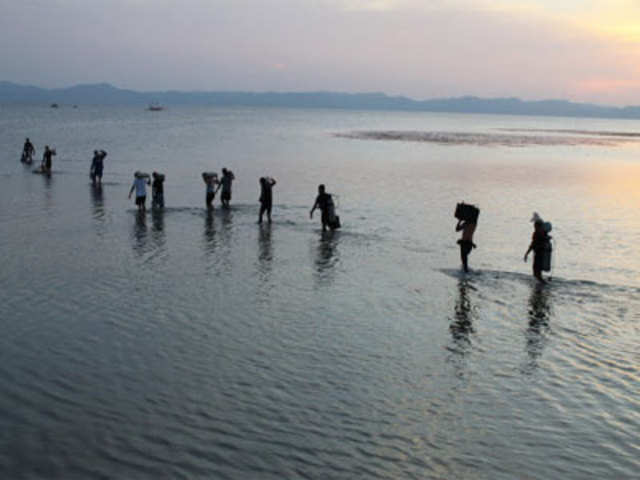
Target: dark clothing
(97, 166)
(323, 200)
(265, 208)
(226, 180)
(46, 158)
(157, 189)
(225, 196)
(158, 185)
(141, 200)
(27, 152)
(157, 200)
(465, 249)
(541, 246)
(266, 194)
(210, 197)
(540, 241)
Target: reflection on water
(326, 256)
(217, 239)
(209, 232)
(140, 233)
(462, 325)
(461, 329)
(265, 261)
(493, 139)
(538, 330)
(157, 226)
(97, 201)
(265, 248)
(286, 350)
(48, 193)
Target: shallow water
(188, 344)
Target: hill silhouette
(106, 94)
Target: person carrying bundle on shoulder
(467, 216)
(541, 247)
(157, 190)
(97, 166)
(140, 183)
(46, 164)
(213, 185)
(266, 197)
(227, 178)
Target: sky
(579, 50)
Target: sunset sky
(580, 50)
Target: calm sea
(187, 344)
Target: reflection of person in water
(539, 315)
(265, 244)
(326, 254)
(140, 232)
(462, 326)
(209, 232)
(97, 199)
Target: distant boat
(54, 105)
(155, 107)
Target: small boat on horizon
(155, 107)
(54, 105)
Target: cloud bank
(531, 49)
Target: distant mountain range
(106, 94)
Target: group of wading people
(467, 215)
(29, 151)
(540, 245)
(324, 201)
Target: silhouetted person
(140, 186)
(468, 228)
(46, 159)
(212, 186)
(266, 197)
(28, 151)
(227, 178)
(324, 202)
(157, 190)
(541, 246)
(97, 166)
